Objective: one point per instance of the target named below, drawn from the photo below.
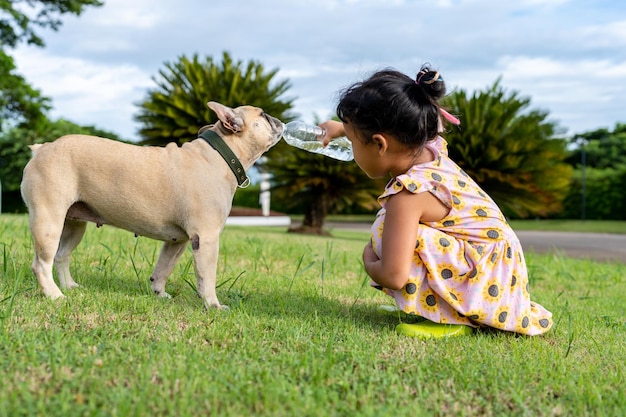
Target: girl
(440, 246)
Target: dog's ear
(227, 116)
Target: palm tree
(510, 151)
(176, 108)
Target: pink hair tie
(449, 117)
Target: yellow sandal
(429, 329)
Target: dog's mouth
(276, 125)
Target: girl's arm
(402, 218)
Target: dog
(175, 194)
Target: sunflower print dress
(468, 268)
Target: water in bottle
(307, 137)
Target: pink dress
(468, 268)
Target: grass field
(301, 338)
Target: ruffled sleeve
(428, 179)
(402, 182)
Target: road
(596, 246)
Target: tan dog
(174, 194)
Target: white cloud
(582, 94)
(544, 2)
(136, 14)
(86, 92)
(568, 56)
(608, 35)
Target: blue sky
(568, 57)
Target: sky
(567, 56)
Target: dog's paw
(70, 285)
(208, 305)
(54, 294)
(58, 296)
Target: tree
(20, 104)
(22, 21)
(597, 187)
(176, 109)
(603, 148)
(510, 151)
(22, 107)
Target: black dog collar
(231, 159)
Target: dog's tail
(35, 147)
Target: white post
(264, 196)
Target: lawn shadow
(309, 305)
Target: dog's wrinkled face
(262, 123)
(251, 124)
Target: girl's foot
(389, 310)
(394, 311)
(429, 329)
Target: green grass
(301, 338)
(585, 226)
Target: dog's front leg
(205, 252)
(170, 253)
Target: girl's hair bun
(431, 82)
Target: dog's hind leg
(170, 253)
(73, 232)
(46, 228)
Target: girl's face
(367, 157)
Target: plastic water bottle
(307, 137)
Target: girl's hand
(369, 256)
(333, 129)
(371, 261)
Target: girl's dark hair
(393, 103)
